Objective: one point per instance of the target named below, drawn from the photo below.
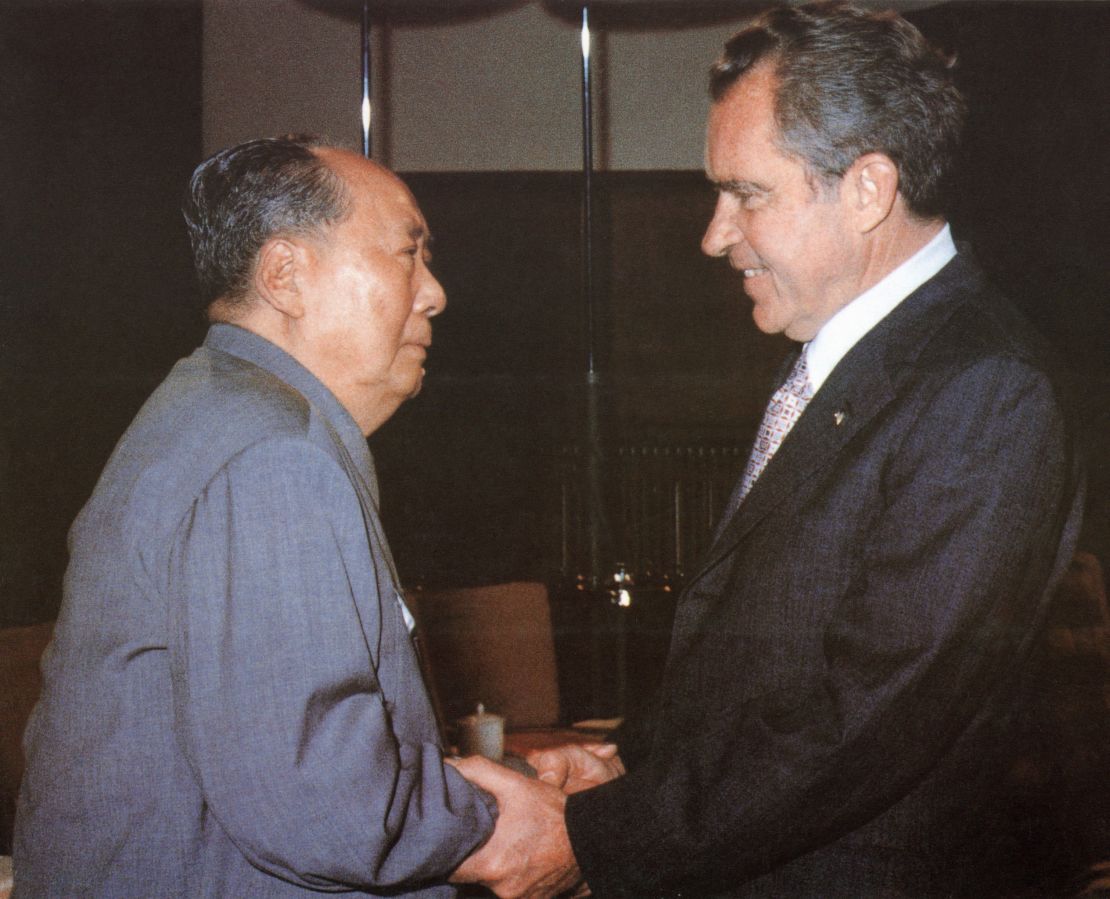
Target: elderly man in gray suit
(845, 667)
(232, 702)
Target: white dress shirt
(841, 332)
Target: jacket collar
(252, 348)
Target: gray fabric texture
(232, 705)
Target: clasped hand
(529, 855)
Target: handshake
(529, 854)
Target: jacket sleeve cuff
(612, 829)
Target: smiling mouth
(753, 272)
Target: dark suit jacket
(232, 705)
(843, 663)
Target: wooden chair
(1062, 755)
(492, 645)
(20, 682)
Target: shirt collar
(258, 351)
(844, 330)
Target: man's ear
(872, 182)
(279, 274)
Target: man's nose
(721, 234)
(431, 299)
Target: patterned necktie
(785, 408)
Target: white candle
(482, 734)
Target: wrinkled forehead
(743, 120)
(395, 207)
(376, 192)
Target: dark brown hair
(244, 195)
(852, 82)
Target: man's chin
(765, 320)
(418, 384)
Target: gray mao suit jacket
(844, 667)
(232, 705)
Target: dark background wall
(683, 362)
(100, 122)
(100, 104)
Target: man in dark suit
(846, 661)
(232, 704)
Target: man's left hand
(529, 855)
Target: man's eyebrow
(745, 187)
(416, 232)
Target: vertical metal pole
(678, 483)
(587, 195)
(564, 509)
(594, 511)
(366, 148)
(595, 507)
(593, 377)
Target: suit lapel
(841, 409)
(734, 499)
(388, 592)
(862, 384)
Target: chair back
(20, 682)
(492, 645)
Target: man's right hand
(577, 766)
(529, 855)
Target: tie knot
(797, 382)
